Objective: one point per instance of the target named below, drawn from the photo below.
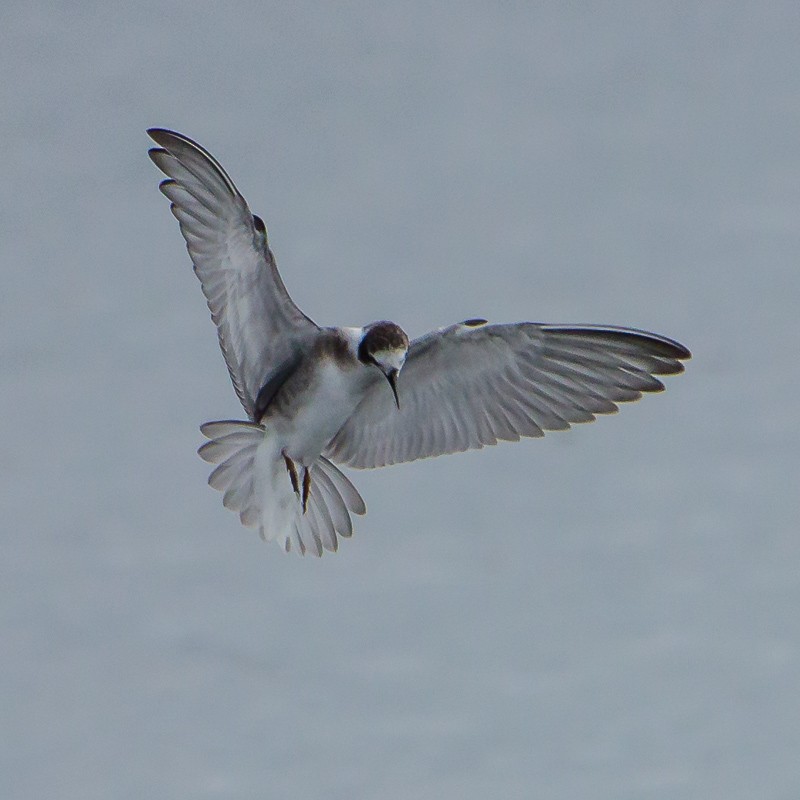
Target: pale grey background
(609, 613)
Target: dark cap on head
(381, 336)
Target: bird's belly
(316, 418)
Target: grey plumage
(258, 324)
(314, 396)
(466, 386)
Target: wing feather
(468, 386)
(258, 324)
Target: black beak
(391, 376)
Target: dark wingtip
(669, 348)
(155, 154)
(654, 343)
(156, 133)
(662, 346)
(672, 349)
(166, 137)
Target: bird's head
(384, 345)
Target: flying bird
(366, 396)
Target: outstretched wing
(472, 384)
(259, 325)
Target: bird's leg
(306, 488)
(292, 474)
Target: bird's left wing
(473, 384)
(258, 324)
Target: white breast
(332, 397)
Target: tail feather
(342, 486)
(323, 531)
(226, 427)
(219, 450)
(252, 475)
(230, 471)
(336, 506)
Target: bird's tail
(258, 485)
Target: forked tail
(253, 475)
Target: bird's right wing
(472, 384)
(258, 324)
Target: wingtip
(166, 138)
(156, 155)
(673, 349)
(155, 133)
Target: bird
(320, 398)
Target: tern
(366, 396)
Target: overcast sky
(606, 613)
